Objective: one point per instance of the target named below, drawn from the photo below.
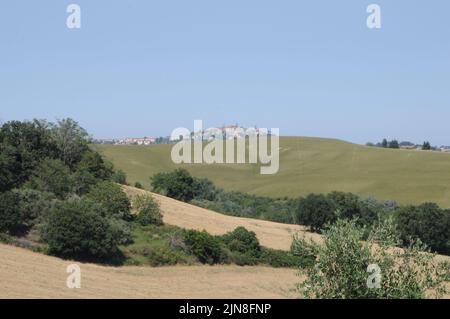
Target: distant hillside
(310, 165)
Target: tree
(112, 198)
(93, 163)
(350, 206)
(10, 218)
(426, 222)
(315, 211)
(243, 241)
(178, 184)
(384, 143)
(71, 140)
(33, 206)
(52, 176)
(77, 229)
(349, 268)
(204, 189)
(394, 144)
(22, 146)
(426, 146)
(149, 212)
(204, 246)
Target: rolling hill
(25, 274)
(310, 165)
(270, 234)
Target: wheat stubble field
(270, 234)
(25, 274)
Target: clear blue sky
(308, 67)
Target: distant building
(137, 141)
(227, 132)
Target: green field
(309, 165)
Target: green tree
(77, 229)
(113, 199)
(426, 146)
(22, 146)
(178, 184)
(315, 211)
(149, 212)
(204, 189)
(243, 241)
(426, 222)
(350, 206)
(345, 263)
(71, 140)
(10, 218)
(51, 175)
(394, 144)
(93, 163)
(384, 143)
(204, 246)
(33, 206)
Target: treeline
(394, 144)
(427, 222)
(57, 194)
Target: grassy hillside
(310, 165)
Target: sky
(309, 68)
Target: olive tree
(348, 268)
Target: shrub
(241, 259)
(204, 246)
(114, 200)
(52, 176)
(159, 255)
(243, 241)
(316, 211)
(121, 230)
(77, 229)
(149, 212)
(119, 177)
(138, 185)
(426, 222)
(284, 259)
(342, 267)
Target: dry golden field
(270, 234)
(25, 274)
